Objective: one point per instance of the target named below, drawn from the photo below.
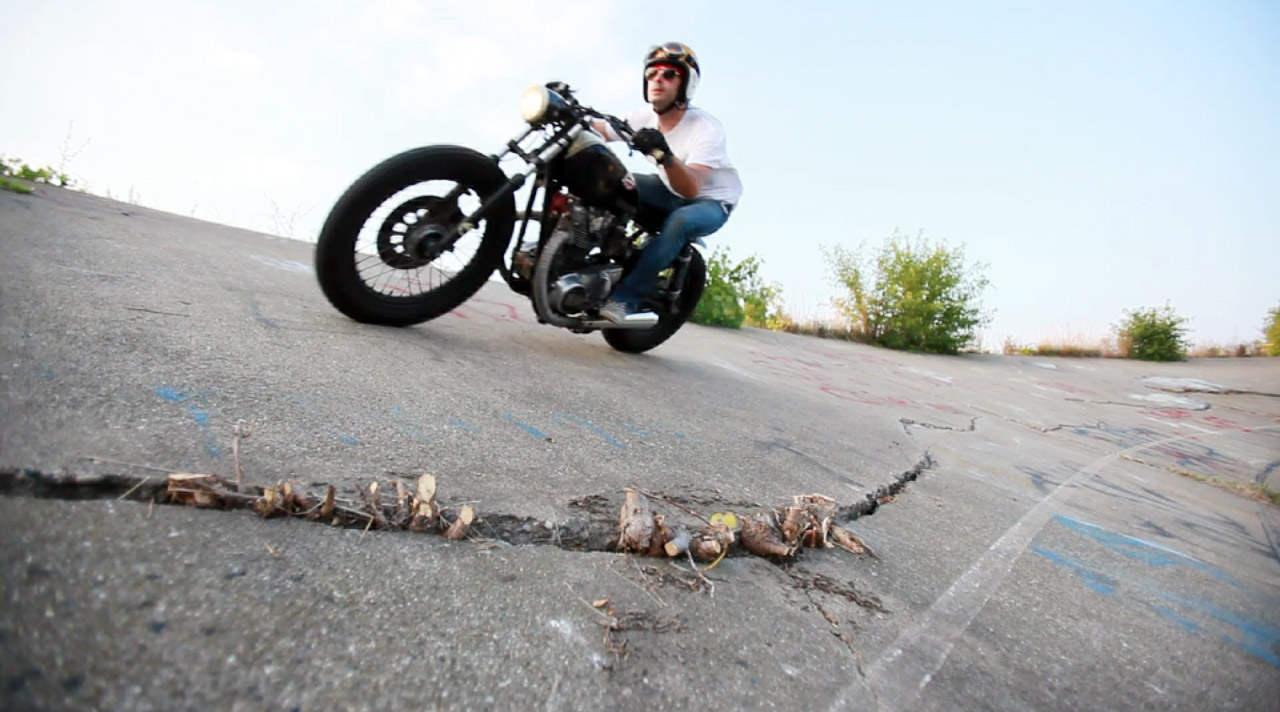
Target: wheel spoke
(380, 257)
(390, 247)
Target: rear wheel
(634, 341)
(378, 258)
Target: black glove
(652, 143)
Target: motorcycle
(421, 232)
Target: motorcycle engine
(587, 272)
(576, 292)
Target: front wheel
(634, 341)
(379, 258)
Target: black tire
(339, 262)
(635, 341)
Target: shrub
(11, 168)
(1150, 334)
(916, 295)
(735, 294)
(1271, 330)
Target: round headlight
(534, 102)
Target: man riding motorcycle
(697, 186)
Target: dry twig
(238, 433)
(675, 504)
(130, 464)
(134, 488)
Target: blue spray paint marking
(636, 430)
(173, 395)
(574, 420)
(197, 414)
(663, 429)
(1139, 549)
(297, 399)
(48, 374)
(1188, 626)
(462, 425)
(529, 428)
(404, 424)
(1261, 638)
(1095, 580)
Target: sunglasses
(667, 74)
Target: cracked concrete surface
(596, 529)
(1046, 554)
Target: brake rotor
(410, 231)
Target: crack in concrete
(907, 423)
(834, 622)
(1037, 428)
(596, 529)
(1097, 402)
(871, 502)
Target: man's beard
(664, 108)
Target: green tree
(1271, 329)
(1151, 334)
(915, 295)
(736, 294)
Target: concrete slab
(1072, 542)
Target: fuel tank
(593, 173)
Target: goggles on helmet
(670, 50)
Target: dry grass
(1248, 489)
(1060, 347)
(1072, 343)
(1213, 350)
(1114, 348)
(1048, 348)
(824, 323)
(823, 330)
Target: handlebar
(619, 125)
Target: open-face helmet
(680, 56)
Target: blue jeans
(687, 220)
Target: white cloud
(390, 15)
(223, 57)
(260, 171)
(457, 63)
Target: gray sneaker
(620, 313)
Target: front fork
(537, 160)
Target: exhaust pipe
(646, 320)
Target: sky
(1095, 156)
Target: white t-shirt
(697, 139)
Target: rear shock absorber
(678, 274)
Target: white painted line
(730, 367)
(286, 265)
